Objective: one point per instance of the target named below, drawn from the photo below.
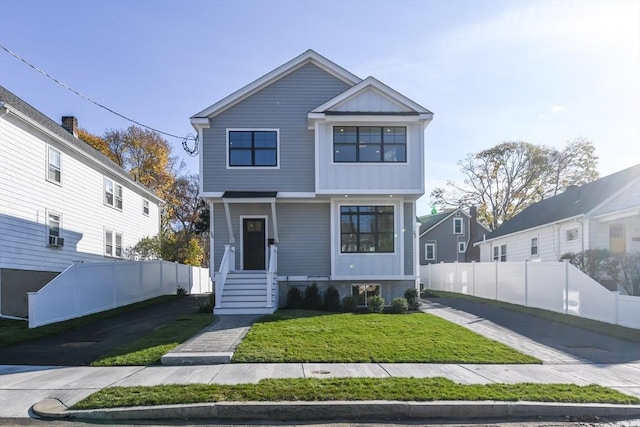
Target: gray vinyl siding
(446, 242)
(304, 232)
(409, 230)
(282, 105)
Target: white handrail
(271, 272)
(226, 265)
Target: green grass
(306, 336)
(314, 389)
(17, 331)
(617, 331)
(149, 349)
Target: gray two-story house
(311, 174)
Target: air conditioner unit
(56, 241)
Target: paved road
(80, 347)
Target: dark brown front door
(253, 244)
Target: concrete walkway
(23, 386)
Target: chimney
(473, 252)
(70, 124)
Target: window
(496, 253)
(462, 247)
(534, 246)
(370, 144)
(363, 292)
(54, 223)
(145, 207)
(430, 252)
(54, 170)
(572, 234)
(366, 229)
(253, 148)
(457, 226)
(112, 244)
(119, 245)
(112, 194)
(503, 253)
(108, 242)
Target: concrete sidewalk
(23, 386)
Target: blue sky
(544, 72)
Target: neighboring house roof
(575, 201)
(429, 222)
(12, 102)
(309, 56)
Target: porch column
(276, 239)
(229, 226)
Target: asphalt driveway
(81, 346)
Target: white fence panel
(86, 288)
(554, 286)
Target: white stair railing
(227, 264)
(271, 274)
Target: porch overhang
(254, 197)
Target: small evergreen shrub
(208, 304)
(294, 298)
(349, 304)
(411, 295)
(181, 291)
(428, 293)
(376, 304)
(399, 305)
(331, 301)
(312, 298)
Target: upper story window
(145, 207)
(534, 246)
(458, 226)
(54, 168)
(572, 234)
(370, 144)
(496, 253)
(112, 194)
(430, 251)
(366, 229)
(253, 148)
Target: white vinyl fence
(554, 286)
(86, 288)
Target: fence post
(566, 286)
(496, 279)
(429, 275)
(526, 283)
(455, 278)
(473, 278)
(141, 279)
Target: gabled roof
(307, 57)
(13, 103)
(575, 201)
(429, 222)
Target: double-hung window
(54, 223)
(253, 148)
(112, 243)
(145, 207)
(430, 251)
(503, 253)
(54, 165)
(458, 226)
(534, 246)
(112, 194)
(367, 229)
(369, 144)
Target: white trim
(276, 130)
(212, 247)
(566, 234)
(200, 125)
(455, 219)
(435, 248)
(296, 195)
(377, 277)
(462, 247)
(47, 228)
(115, 191)
(227, 214)
(407, 145)
(148, 207)
(612, 216)
(266, 238)
(380, 193)
(608, 199)
(526, 230)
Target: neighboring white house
(61, 201)
(602, 214)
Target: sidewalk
(23, 386)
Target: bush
(349, 304)
(399, 305)
(294, 298)
(181, 291)
(208, 304)
(312, 298)
(411, 295)
(331, 300)
(428, 293)
(376, 304)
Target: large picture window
(366, 229)
(369, 144)
(250, 148)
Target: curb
(341, 410)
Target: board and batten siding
(282, 105)
(371, 177)
(26, 197)
(409, 231)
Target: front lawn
(308, 336)
(328, 389)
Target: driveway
(81, 346)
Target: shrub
(331, 300)
(312, 298)
(208, 304)
(376, 304)
(411, 295)
(428, 293)
(294, 298)
(349, 304)
(399, 305)
(181, 291)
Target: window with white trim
(496, 253)
(462, 247)
(534, 246)
(572, 234)
(252, 148)
(503, 252)
(145, 207)
(112, 243)
(54, 165)
(112, 194)
(370, 144)
(362, 292)
(430, 251)
(458, 226)
(54, 224)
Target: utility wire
(191, 151)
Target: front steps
(245, 292)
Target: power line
(185, 139)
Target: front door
(253, 244)
(617, 238)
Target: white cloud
(555, 109)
